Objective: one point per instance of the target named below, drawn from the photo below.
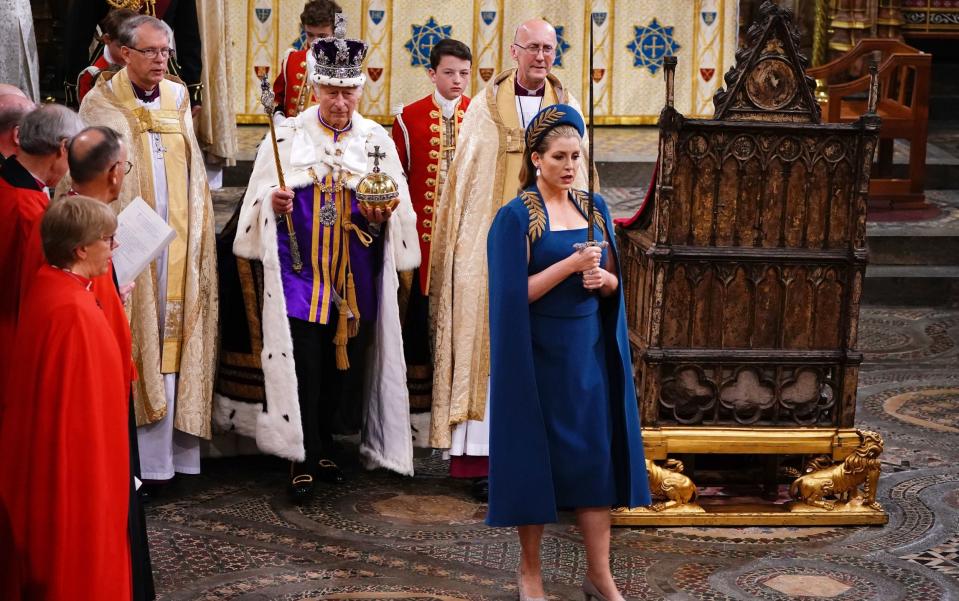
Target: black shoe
(301, 488)
(480, 490)
(150, 490)
(327, 471)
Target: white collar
(528, 107)
(312, 147)
(107, 55)
(447, 106)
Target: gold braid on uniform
(306, 91)
(537, 216)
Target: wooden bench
(903, 106)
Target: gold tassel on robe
(348, 321)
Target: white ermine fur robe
(386, 438)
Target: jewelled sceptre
(267, 99)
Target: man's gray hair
(43, 130)
(127, 33)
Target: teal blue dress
(569, 358)
(564, 422)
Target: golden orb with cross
(377, 190)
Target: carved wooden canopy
(743, 286)
(769, 81)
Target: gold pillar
(820, 31)
(850, 25)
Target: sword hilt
(589, 243)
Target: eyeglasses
(152, 53)
(534, 49)
(111, 240)
(127, 166)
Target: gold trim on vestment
(166, 123)
(501, 99)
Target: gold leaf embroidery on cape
(537, 216)
(582, 198)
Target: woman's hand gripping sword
(267, 99)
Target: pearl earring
(538, 172)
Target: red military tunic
(88, 77)
(291, 98)
(425, 142)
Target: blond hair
(72, 222)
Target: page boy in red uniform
(425, 135)
(291, 89)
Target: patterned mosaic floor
(231, 534)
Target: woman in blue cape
(564, 423)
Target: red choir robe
(22, 203)
(67, 491)
(105, 289)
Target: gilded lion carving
(842, 480)
(669, 481)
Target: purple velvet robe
(310, 294)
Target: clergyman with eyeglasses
(173, 308)
(483, 177)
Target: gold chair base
(837, 487)
(752, 514)
(837, 442)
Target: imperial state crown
(337, 61)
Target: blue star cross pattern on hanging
(300, 42)
(651, 44)
(424, 37)
(561, 46)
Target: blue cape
(520, 480)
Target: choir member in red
(41, 162)
(13, 108)
(66, 494)
(291, 88)
(108, 60)
(98, 165)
